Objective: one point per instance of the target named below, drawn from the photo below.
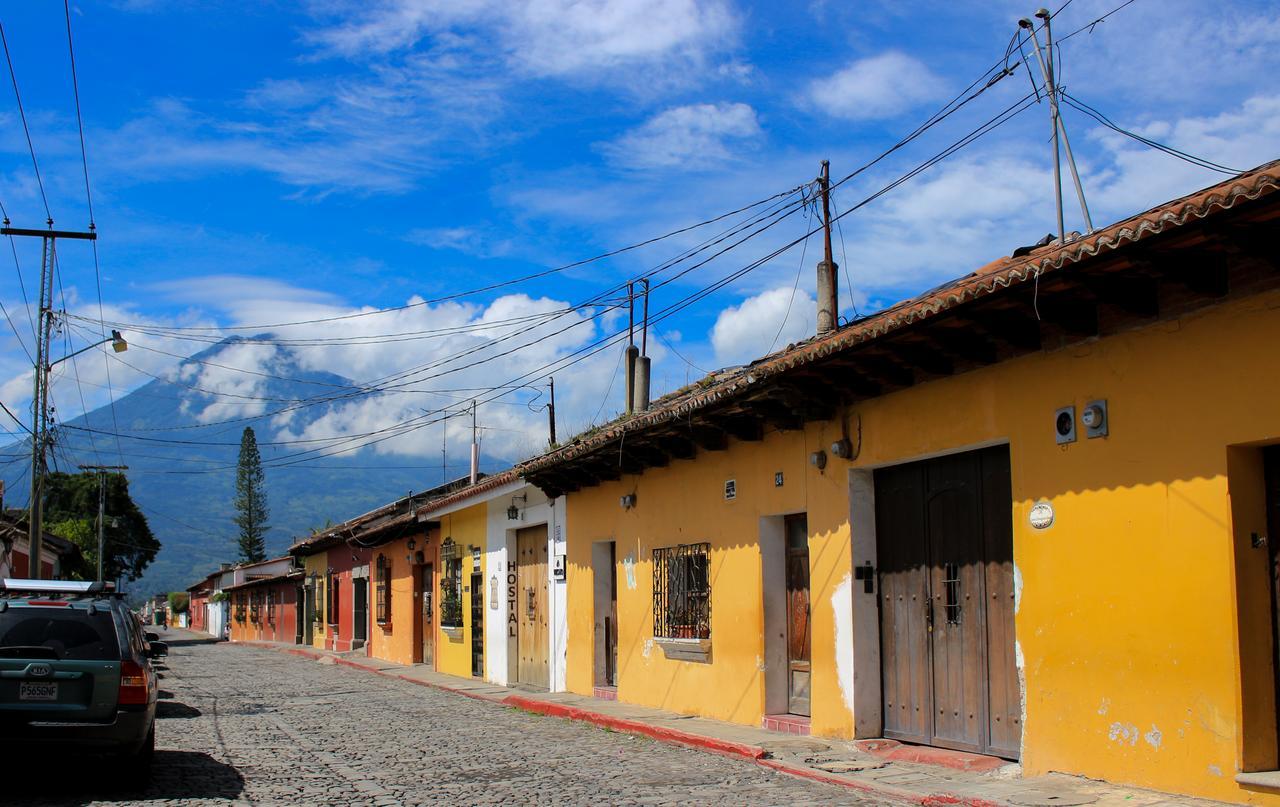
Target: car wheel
(137, 766)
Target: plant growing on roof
(251, 500)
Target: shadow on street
(174, 775)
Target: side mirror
(158, 649)
(152, 637)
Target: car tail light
(134, 688)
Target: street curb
(670, 736)
(726, 747)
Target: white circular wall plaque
(1041, 515)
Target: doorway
(428, 616)
(360, 612)
(477, 624)
(309, 615)
(798, 638)
(532, 647)
(1271, 477)
(604, 602)
(299, 614)
(944, 539)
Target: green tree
(71, 512)
(251, 500)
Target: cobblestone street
(254, 726)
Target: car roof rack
(20, 587)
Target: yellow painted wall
(318, 564)
(1128, 619)
(467, 529)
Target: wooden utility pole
(828, 303)
(551, 415)
(102, 470)
(40, 394)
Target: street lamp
(35, 534)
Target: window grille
(333, 600)
(383, 583)
(951, 588)
(682, 592)
(240, 610)
(451, 594)
(318, 601)
(271, 608)
(255, 599)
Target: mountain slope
(182, 475)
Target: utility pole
(551, 414)
(1055, 116)
(40, 395)
(828, 303)
(102, 470)
(633, 352)
(475, 447)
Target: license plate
(37, 691)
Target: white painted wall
(500, 548)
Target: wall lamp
(513, 512)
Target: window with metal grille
(240, 607)
(383, 591)
(951, 592)
(318, 600)
(255, 603)
(271, 608)
(682, 592)
(333, 600)
(451, 594)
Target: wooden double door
(532, 646)
(944, 539)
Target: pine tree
(251, 500)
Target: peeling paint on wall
(629, 566)
(1017, 588)
(1105, 706)
(1020, 663)
(842, 606)
(1215, 770)
(1121, 733)
(1153, 737)
(647, 648)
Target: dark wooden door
(798, 633)
(532, 646)
(310, 615)
(477, 624)
(1271, 464)
(944, 537)
(299, 614)
(359, 611)
(428, 616)
(611, 622)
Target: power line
(13, 76)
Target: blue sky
(264, 162)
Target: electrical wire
(13, 77)
(1200, 162)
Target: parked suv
(75, 672)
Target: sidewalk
(881, 768)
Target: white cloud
(694, 136)
(544, 38)
(760, 324)
(882, 86)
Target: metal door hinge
(867, 574)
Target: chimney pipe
(640, 386)
(633, 360)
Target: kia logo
(39, 669)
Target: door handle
(928, 613)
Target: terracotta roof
(991, 279)
(262, 581)
(377, 521)
(484, 485)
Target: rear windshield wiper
(28, 651)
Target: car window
(74, 635)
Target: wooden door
(532, 645)
(309, 615)
(944, 537)
(798, 611)
(611, 622)
(299, 614)
(359, 611)
(428, 616)
(477, 623)
(1271, 464)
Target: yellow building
(1025, 515)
